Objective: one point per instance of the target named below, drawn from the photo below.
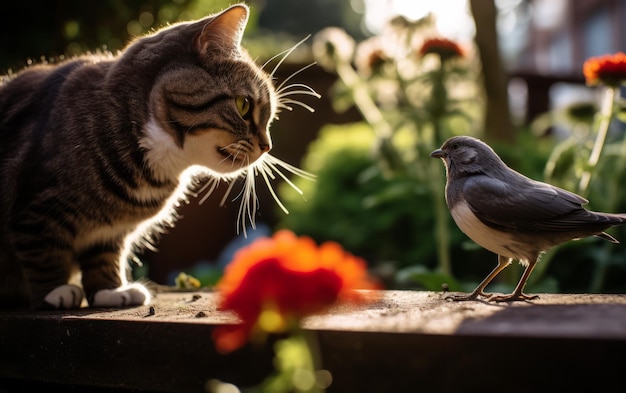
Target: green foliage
(71, 27)
(378, 217)
(389, 220)
(419, 276)
(378, 192)
(50, 30)
(529, 155)
(297, 368)
(186, 281)
(412, 99)
(591, 262)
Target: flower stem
(371, 114)
(363, 101)
(605, 120)
(442, 230)
(438, 109)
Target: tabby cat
(93, 147)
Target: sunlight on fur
(267, 166)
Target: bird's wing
(522, 204)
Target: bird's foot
(467, 297)
(513, 297)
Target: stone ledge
(405, 340)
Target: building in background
(559, 35)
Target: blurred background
(396, 78)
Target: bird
(511, 215)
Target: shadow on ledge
(407, 341)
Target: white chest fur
(501, 243)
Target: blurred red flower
(608, 69)
(445, 48)
(287, 277)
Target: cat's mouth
(237, 153)
(237, 157)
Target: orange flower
(607, 69)
(282, 279)
(443, 47)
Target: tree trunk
(498, 124)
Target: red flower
(278, 280)
(607, 69)
(373, 63)
(443, 47)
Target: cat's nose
(265, 143)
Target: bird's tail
(615, 219)
(608, 237)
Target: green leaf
(620, 111)
(427, 279)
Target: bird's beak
(438, 154)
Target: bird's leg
(518, 293)
(479, 291)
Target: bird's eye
(455, 146)
(244, 106)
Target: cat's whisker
(266, 169)
(295, 170)
(282, 86)
(283, 106)
(269, 166)
(271, 190)
(243, 163)
(283, 90)
(283, 103)
(286, 54)
(228, 190)
(234, 159)
(211, 185)
(223, 160)
(308, 92)
(274, 57)
(285, 178)
(204, 186)
(249, 203)
(231, 157)
(241, 220)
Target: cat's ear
(223, 32)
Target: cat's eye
(244, 106)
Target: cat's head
(210, 104)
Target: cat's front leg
(13, 289)
(65, 297)
(46, 272)
(103, 278)
(133, 294)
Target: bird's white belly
(498, 242)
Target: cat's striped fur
(92, 148)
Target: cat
(97, 146)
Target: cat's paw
(65, 297)
(126, 296)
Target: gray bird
(509, 214)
